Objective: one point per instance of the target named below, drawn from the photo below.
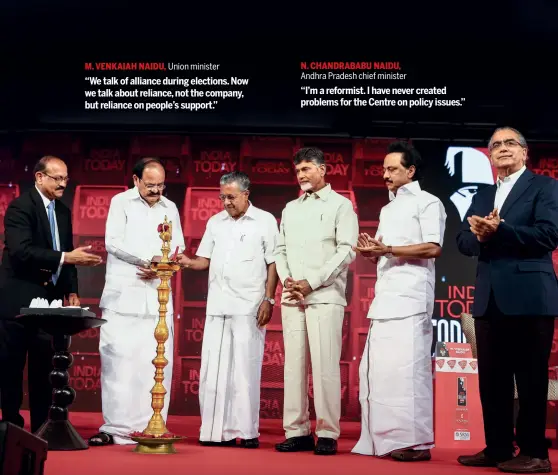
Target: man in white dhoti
(237, 247)
(130, 304)
(318, 232)
(396, 386)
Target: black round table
(61, 324)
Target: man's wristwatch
(270, 300)
(389, 253)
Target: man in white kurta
(396, 367)
(237, 246)
(130, 305)
(317, 234)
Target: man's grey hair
(240, 178)
(522, 140)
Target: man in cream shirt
(130, 305)
(317, 233)
(396, 367)
(237, 247)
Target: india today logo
(473, 364)
(451, 363)
(440, 363)
(463, 364)
(469, 167)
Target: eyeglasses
(57, 179)
(228, 197)
(509, 143)
(154, 187)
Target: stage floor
(192, 459)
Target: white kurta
(233, 345)
(396, 367)
(130, 306)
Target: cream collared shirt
(504, 187)
(405, 287)
(239, 251)
(317, 233)
(131, 240)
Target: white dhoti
(127, 348)
(315, 333)
(395, 389)
(230, 375)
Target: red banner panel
(553, 361)
(91, 207)
(370, 202)
(211, 159)
(269, 171)
(85, 378)
(365, 288)
(61, 145)
(88, 340)
(104, 160)
(359, 342)
(350, 288)
(339, 160)
(7, 193)
(194, 283)
(190, 328)
(274, 147)
(10, 169)
(200, 205)
(369, 157)
(346, 340)
(543, 159)
(274, 357)
(92, 279)
(273, 198)
(172, 150)
(185, 394)
(271, 401)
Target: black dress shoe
(410, 455)
(326, 446)
(226, 443)
(304, 443)
(526, 464)
(480, 460)
(250, 443)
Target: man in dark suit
(38, 261)
(512, 227)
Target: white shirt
(239, 251)
(504, 186)
(131, 240)
(47, 202)
(318, 231)
(405, 287)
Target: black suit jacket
(29, 261)
(516, 263)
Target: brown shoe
(525, 464)
(410, 455)
(479, 460)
